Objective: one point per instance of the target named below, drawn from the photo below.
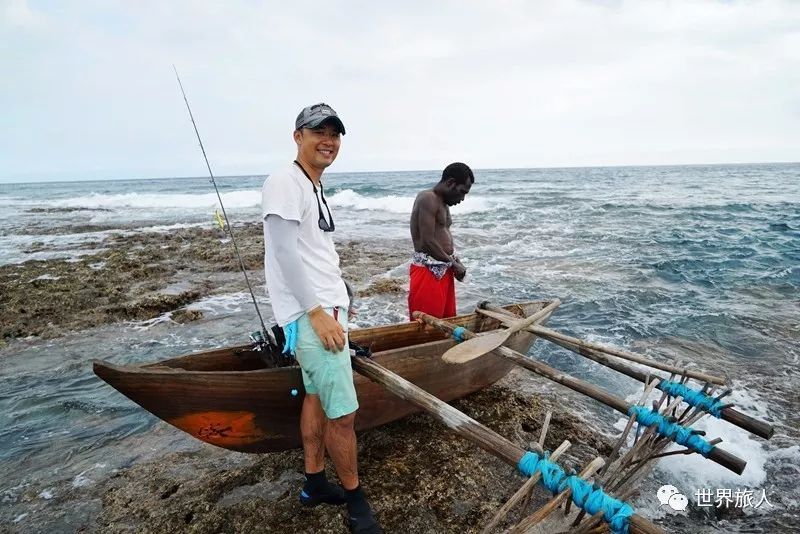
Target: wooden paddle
(480, 345)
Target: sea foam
(250, 198)
(699, 472)
(348, 198)
(233, 199)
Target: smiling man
(435, 265)
(310, 301)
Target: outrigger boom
(667, 428)
(594, 351)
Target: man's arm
(459, 271)
(351, 296)
(282, 235)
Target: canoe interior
(230, 398)
(379, 339)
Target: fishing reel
(277, 339)
(260, 344)
(270, 349)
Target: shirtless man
(435, 265)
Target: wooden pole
(624, 437)
(716, 455)
(458, 422)
(542, 437)
(552, 335)
(733, 416)
(556, 501)
(463, 425)
(522, 492)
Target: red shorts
(429, 295)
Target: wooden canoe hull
(227, 398)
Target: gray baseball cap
(313, 116)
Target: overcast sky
(87, 89)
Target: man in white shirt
(310, 302)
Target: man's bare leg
(340, 440)
(312, 430)
(316, 489)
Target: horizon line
(729, 164)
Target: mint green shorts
(327, 374)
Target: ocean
(699, 263)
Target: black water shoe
(360, 517)
(364, 525)
(317, 490)
(334, 494)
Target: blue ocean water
(699, 263)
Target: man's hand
(459, 271)
(328, 329)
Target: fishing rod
(264, 331)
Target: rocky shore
(138, 276)
(419, 477)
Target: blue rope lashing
(593, 499)
(677, 433)
(585, 495)
(290, 333)
(692, 397)
(553, 477)
(458, 333)
(528, 464)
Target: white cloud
(17, 14)
(496, 84)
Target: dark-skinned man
(310, 302)
(435, 266)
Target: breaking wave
(233, 199)
(348, 198)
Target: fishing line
(224, 213)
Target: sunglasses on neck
(322, 223)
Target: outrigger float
(248, 398)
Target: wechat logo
(669, 495)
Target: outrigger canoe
(230, 398)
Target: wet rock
(152, 305)
(385, 286)
(63, 210)
(134, 276)
(187, 316)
